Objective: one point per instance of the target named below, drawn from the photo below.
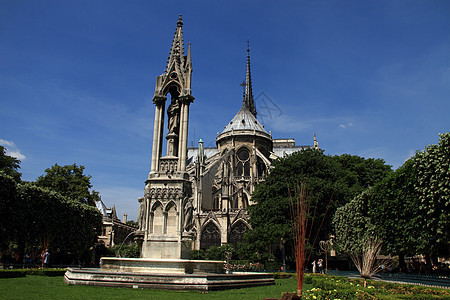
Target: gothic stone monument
(166, 210)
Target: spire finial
(248, 93)
(177, 50)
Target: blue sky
(370, 78)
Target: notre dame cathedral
(198, 197)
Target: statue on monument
(141, 214)
(173, 112)
(188, 214)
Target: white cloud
(7, 143)
(345, 125)
(11, 149)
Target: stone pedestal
(166, 274)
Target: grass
(42, 287)
(321, 287)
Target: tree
(357, 236)
(9, 165)
(394, 210)
(410, 207)
(352, 223)
(335, 178)
(8, 219)
(433, 189)
(46, 219)
(71, 182)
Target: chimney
(125, 218)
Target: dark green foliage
(338, 287)
(8, 202)
(198, 254)
(36, 218)
(49, 220)
(332, 180)
(219, 253)
(12, 273)
(394, 211)
(71, 182)
(352, 224)
(9, 165)
(411, 206)
(433, 189)
(124, 250)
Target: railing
(168, 165)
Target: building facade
(114, 230)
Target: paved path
(431, 281)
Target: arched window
(261, 167)
(237, 233)
(210, 236)
(242, 162)
(158, 219)
(171, 226)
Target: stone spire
(178, 72)
(177, 50)
(248, 101)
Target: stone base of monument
(168, 274)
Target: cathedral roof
(244, 120)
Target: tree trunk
(21, 250)
(428, 263)
(401, 262)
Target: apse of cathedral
(211, 186)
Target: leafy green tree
(49, 220)
(331, 182)
(9, 165)
(71, 182)
(410, 206)
(353, 225)
(357, 236)
(433, 189)
(394, 210)
(8, 200)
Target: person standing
(46, 259)
(314, 266)
(320, 265)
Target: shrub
(337, 287)
(280, 275)
(12, 273)
(198, 254)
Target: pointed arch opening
(158, 218)
(236, 234)
(242, 162)
(171, 219)
(210, 236)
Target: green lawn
(42, 287)
(321, 287)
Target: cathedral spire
(248, 101)
(177, 50)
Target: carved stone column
(157, 132)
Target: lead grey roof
(244, 120)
